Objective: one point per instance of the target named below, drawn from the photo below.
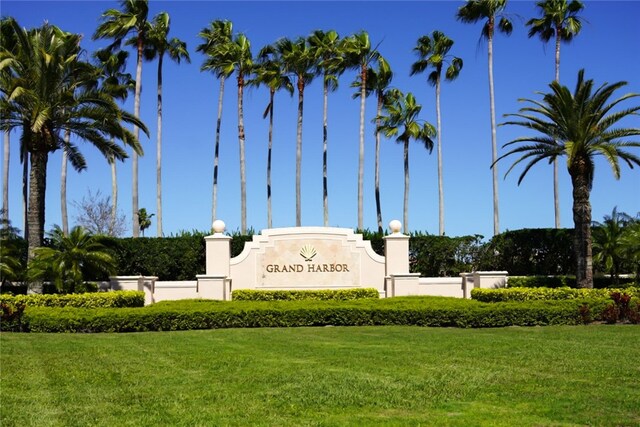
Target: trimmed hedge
(565, 281)
(297, 295)
(530, 251)
(88, 300)
(545, 294)
(418, 311)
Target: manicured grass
(539, 376)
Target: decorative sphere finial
(219, 226)
(395, 226)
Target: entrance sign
(302, 258)
(307, 258)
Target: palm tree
(433, 53)
(608, 242)
(298, 60)
(268, 71)
(40, 100)
(401, 121)
(330, 64)
(63, 185)
(360, 55)
(145, 219)
(5, 177)
(215, 38)
(558, 18)
(71, 258)
(378, 81)
(117, 25)
(630, 245)
(177, 50)
(579, 126)
(490, 11)
(9, 43)
(239, 58)
(118, 84)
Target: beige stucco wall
(171, 290)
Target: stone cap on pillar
(395, 226)
(218, 231)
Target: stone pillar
(215, 283)
(218, 251)
(396, 251)
(467, 284)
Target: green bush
(545, 294)
(297, 295)
(530, 251)
(418, 311)
(564, 281)
(88, 300)
(11, 312)
(168, 258)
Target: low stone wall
(166, 291)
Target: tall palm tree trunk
(440, 186)
(299, 154)
(25, 195)
(136, 133)
(582, 220)
(5, 178)
(363, 94)
(114, 194)
(37, 190)
(63, 185)
(63, 194)
(325, 191)
(216, 154)
(243, 179)
(159, 153)
(556, 189)
(272, 93)
(377, 166)
(405, 218)
(494, 143)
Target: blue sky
(608, 48)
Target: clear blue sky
(608, 48)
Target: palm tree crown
(579, 126)
(559, 19)
(477, 10)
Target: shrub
(168, 258)
(297, 295)
(88, 300)
(418, 311)
(534, 251)
(564, 281)
(11, 314)
(543, 294)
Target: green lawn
(539, 376)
